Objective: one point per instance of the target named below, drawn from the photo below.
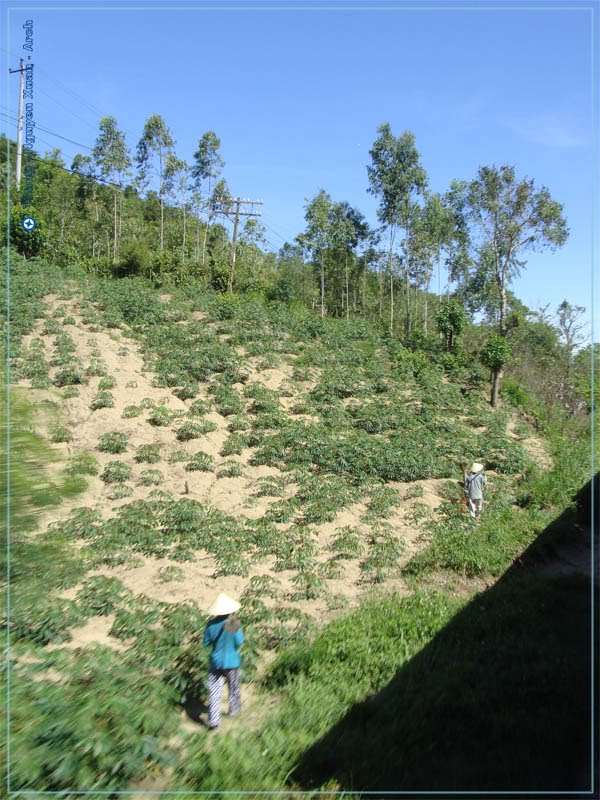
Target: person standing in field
(474, 483)
(224, 633)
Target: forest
(188, 410)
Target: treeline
(153, 214)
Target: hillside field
(168, 444)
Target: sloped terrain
(215, 444)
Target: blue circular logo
(28, 223)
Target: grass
(384, 680)
(388, 678)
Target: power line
(52, 133)
(70, 111)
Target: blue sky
(296, 97)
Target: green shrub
(69, 376)
(113, 442)
(201, 462)
(60, 434)
(120, 491)
(151, 477)
(116, 472)
(131, 411)
(230, 469)
(233, 445)
(41, 619)
(89, 730)
(102, 400)
(170, 573)
(187, 391)
(69, 392)
(97, 368)
(160, 416)
(193, 430)
(148, 453)
(100, 595)
(83, 464)
(347, 543)
(177, 456)
(107, 382)
(198, 408)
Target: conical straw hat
(475, 467)
(223, 605)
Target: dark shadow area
(501, 700)
(195, 709)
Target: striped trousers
(216, 680)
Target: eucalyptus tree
(153, 148)
(398, 179)
(112, 159)
(87, 193)
(206, 168)
(498, 219)
(316, 237)
(177, 186)
(347, 229)
(430, 233)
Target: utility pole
(239, 202)
(21, 70)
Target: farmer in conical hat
(224, 633)
(474, 483)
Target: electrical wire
(52, 133)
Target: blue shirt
(225, 645)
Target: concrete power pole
(21, 70)
(238, 202)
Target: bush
(193, 430)
(151, 477)
(107, 382)
(60, 434)
(83, 464)
(131, 411)
(201, 462)
(160, 416)
(230, 469)
(148, 453)
(69, 376)
(113, 442)
(116, 472)
(102, 400)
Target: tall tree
(177, 186)
(347, 228)
(499, 218)
(397, 178)
(206, 168)
(316, 238)
(112, 159)
(152, 150)
(430, 233)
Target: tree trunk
(183, 243)
(347, 291)
(162, 221)
(496, 379)
(208, 219)
(120, 218)
(115, 226)
(503, 308)
(390, 265)
(322, 287)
